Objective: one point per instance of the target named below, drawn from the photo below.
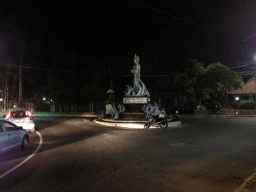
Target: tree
(21, 49)
(63, 85)
(208, 85)
(191, 81)
(219, 80)
(96, 89)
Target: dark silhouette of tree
(208, 85)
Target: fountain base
(132, 116)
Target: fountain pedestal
(132, 116)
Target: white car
(12, 136)
(21, 117)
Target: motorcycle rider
(175, 114)
(158, 118)
(156, 113)
(160, 115)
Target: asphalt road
(205, 154)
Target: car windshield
(18, 114)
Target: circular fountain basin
(132, 116)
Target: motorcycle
(158, 122)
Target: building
(247, 92)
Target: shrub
(247, 104)
(201, 108)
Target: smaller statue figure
(120, 108)
(151, 110)
(156, 111)
(113, 112)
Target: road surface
(205, 154)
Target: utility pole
(6, 92)
(20, 76)
(20, 86)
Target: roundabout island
(134, 124)
(136, 107)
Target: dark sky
(170, 31)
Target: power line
(195, 24)
(44, 69)
(149, 7)
(110, 73)
(167, 14)
(243, 40)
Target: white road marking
(243, 186)
(29, 157)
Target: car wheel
(24, 144)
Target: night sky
(168, 32)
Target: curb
(133, 125)
(214, 116)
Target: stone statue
(113, 112)
(139, 88)
(136, 72)
(152, 109)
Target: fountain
(136, 106)
(136, 101)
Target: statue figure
(151, 109)
(139, 88)
(136, 72)
(113, 112)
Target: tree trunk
(66, 108)
(52, 105)
(60, 108)
(92, 106)
(200, 101)
(72, 108)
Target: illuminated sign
(135, 100)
